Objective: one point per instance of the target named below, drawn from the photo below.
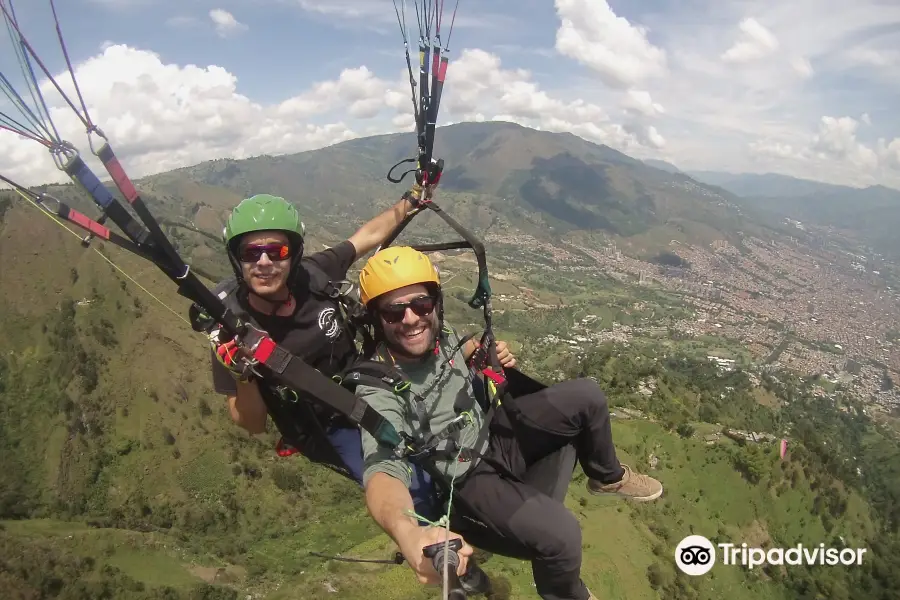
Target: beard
(419, 346)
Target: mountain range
(498, 176)
(870, 214)
(503, 181)
(506, 178)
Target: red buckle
(494, 376)
(285, 450)
(264, 349)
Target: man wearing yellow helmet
(401, 289)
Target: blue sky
(807, 88)
(286, 47)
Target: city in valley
(820, 311)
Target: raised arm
(372, 234)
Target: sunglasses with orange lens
(251, 253)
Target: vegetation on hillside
(222, 500)
(839, 484)
(125, 478)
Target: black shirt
(314, 331)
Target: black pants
(536, 440)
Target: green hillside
(125, 478)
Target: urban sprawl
(820, 312)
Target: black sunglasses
(394, 313)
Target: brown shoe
(634, 486)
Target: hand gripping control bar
(436, 553)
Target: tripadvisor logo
(696, 555)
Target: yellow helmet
(393, 268)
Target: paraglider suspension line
(397, 560)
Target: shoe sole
(645, 498)
(649, 498)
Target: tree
(708, 413)
(750, 461)
(659, 577)
(685, 430)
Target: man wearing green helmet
(296, 299)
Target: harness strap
(428, 463)
(355, 319)
(493, 396)
(385, 375)
(457, 424)
(372, 380)
(300, 420)
(374, 373)
(497, 378)
(299, 375)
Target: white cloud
(352, 9)
(619, 52)
(366, 95)
(640, 101)
(621, 56)
(890, 152)
(655, 139)
(754, 42)
(837, 139)
(874, 57)
(162, 116)
(802, 66)
(480, 85)
(774, 149)
(774, 89)
(834, 153)
(705, 84)
(224, 22)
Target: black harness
(489, 386)
(302, 423)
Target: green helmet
(264, 212)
